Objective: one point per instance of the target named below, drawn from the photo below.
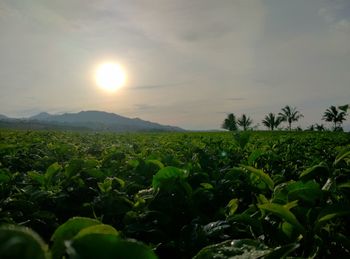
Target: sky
(188, 63)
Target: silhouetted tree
(319, 127)
(272, 121)
(337, 116)
(311, 128)
(230, 122)
(244, 122)
(290, 114)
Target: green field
(174, 195)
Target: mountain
(40, 116)
(100, 121)
(3, 117)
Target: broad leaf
(97, 229)
(21, 242)
(314, 171)
(263, 176)
(309, 191)
(165, 174)
(282, 252)
(331, 212)
(283, 213)
(67, 231)
(4, 176)
(343, 156)
(107, 246)
(241, 248)
(231, 207)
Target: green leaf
(291, 205)
(155, 163)
(241, 248)
(345, 155)
(107, 246)
(282, 252)
(37, 177)
(106, 185)
(165, 174)
(242, 138)
(4, 176)
(232, 206)
(344, 185)
(314, 171)
(260, 173)
(309, 191)
(254, 156)
(287, 229)
(97, 229)
(332, 211)
(207, 186)
(67, 231)
(21, 242)
(51, 171)
(262, 199)
(283, 213)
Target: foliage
(272, 121)
(336, 115)
(290, 114)
(230, 122)
(174, 195)
(244, 121)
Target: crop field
(174, 195)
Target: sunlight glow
(110, 76)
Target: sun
(110, 76)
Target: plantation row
(174, 195)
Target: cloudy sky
(189, 63)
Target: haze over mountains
(85, 120)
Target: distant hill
(88, 120)
(41, 116)
(3, 117)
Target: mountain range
(85, 120)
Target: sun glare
(110, 76)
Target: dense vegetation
(183, 195)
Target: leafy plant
(336, 115)
(290, 114)
(244, 122)
(230, 123)
(272, 121)
(251, 194)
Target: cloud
(336, 13)
(145, 107)
(235, 99)
(150, 87)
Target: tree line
(288, 114)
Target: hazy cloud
(235, 99)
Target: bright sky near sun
(183, 63)
(110, 76)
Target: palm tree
(244, 122)
(271, 121)
(290, 114)
(319, 127)
(337, 116)
(311, 128)
(230, 122)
